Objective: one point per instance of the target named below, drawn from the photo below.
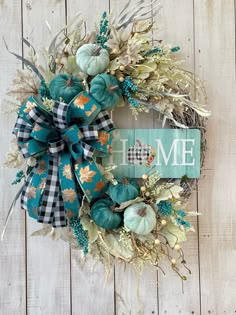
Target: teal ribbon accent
(76, 132)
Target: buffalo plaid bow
(64, 142)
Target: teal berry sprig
(175, 49)
(179, 220)
(44, 90)
(153, 52)
(165, 208)
(181, 213)
(183, 223)
(128, 86)
(19, 176)
(80, 234)
(102, 36)
(160, 51)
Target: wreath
(63, 129)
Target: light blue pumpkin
(92, 59)
(126, 189)
(106, 90)
(140, 218)
(64, 86)
(104, 216)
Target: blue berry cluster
(182, 222)
(160, 51)
(102, 36)
(153, 51)
(175, 49)
(128, 86)
(80, 233)
(181, 213)
(165, 208)
(19, 176)
(44, 90)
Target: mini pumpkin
(126, 189)
(106, 90)
(103, 214)
(141, 154)
(140, 218)
(64, 86)
(92, 59)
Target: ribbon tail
(68, 186)
(51, 192)
(10, 212)
(59, 219)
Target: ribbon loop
(56, 146)
(73, 135)
(43, 134)
(60, 115)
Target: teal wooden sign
(172, 152)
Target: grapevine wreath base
(63, 126)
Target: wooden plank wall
(39, 276)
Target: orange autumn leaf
(41, 168)
(94, 107)
(43, 183)
(69, 195)
(99, 186)
(103, 137)
(80, 101)
(86, 175)
(32, 192)
(29, 106)
(67, 171)
(69, 213)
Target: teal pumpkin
(92, 59)
(126, 189)
(64, 86)
(106, 90)
(140, 218)
(104, 216)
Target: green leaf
(117, 248)
(91, 227)
(173, 234)
(126, 204)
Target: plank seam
(114, 280)
(114, 270)
(235, 38)
(71, 306)
(197, 194)
(66, 12)
(25, 214)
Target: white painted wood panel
(215, 63)
(133, 296)
(12, 249)
(48, 262)
(90, 295)
(175, 24)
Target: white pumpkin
(140, 218)
(92, 59)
